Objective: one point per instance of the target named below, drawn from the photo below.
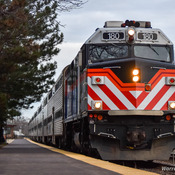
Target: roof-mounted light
(142, 24)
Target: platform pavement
(25, 157)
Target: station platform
(25, 157)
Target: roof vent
(113, 24)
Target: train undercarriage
(118, 137)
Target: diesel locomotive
(116, 97)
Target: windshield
(110, 51)
(107, 52)
(160, 53)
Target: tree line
(29, 38)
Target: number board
(113, 36)
(147, 36)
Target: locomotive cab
(130, 77)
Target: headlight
(171, 105)
(131, 32)
(135, 72)
(135, 79)
(136, 76)
(96, 105)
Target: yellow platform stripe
(96, 162)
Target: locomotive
(116, 97)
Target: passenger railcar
(117, 96)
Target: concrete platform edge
(96, 162)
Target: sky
(80, 24)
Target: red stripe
(165, 107)
(89, 107)
(105, 107)
(130, 97)
(161, 73)
(94, 96)
(133, 100)
(156, 99)
(112, 97)
(141, 97)
(130, 86)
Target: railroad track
(160, 167)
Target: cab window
(107, 52)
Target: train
(116, 98)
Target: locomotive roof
(117, 32)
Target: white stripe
(165, 98)
(136, 93)
(89, 100)
(119, 94)
(102, 95)
(152, 94)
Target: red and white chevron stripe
(117, 95)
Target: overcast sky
(81, 23)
